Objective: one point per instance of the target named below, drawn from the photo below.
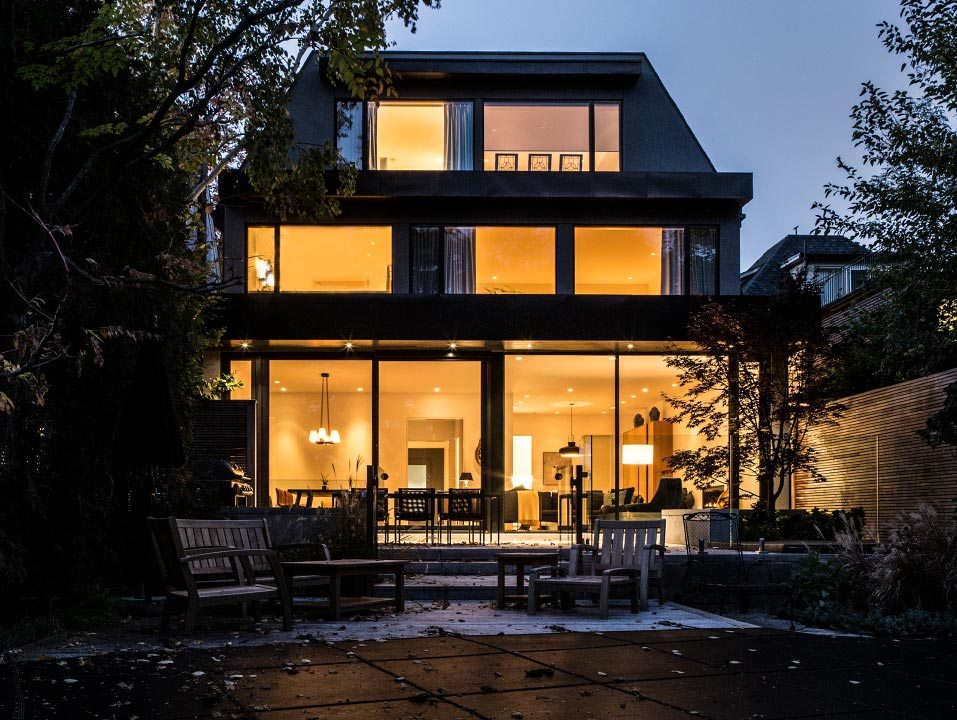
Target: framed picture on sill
(539, 162)
(570, 162)
(506, 162)
(556, 470)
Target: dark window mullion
(591, 137)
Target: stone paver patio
(367, 669)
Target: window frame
(277, 269)
(590, 103)
(441, 228)
(685, 271)
(364, 160)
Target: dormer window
(406, 135)
(552, 137)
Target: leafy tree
(757, 382)
(118, 118)
(903, 199)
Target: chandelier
(321, 436)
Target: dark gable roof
(764, 276)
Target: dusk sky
(766, 85)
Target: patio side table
(520, 560)
(335, 570)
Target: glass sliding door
(297, 407)
(430, 423)
(550, 401)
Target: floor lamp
(639, 455)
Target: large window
(430, 422)
(552, 137)
(320, 258)
(407, 135)
(645, 261)
(483, 260)
(296, 408)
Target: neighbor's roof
(764, 276)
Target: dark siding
(876, 459)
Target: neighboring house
(838, 266)
(528, 237)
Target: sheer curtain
(371, 127)
(349, 134)
(704, 251)
(460, 260)
(672, 261)
(458, 136)
(426, 261)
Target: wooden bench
(197, 535)
(232, 571)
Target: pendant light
(571, 450)
(321, 436)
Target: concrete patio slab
(581, 703)
(478, 674)
(625, 663)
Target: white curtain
(672, 261)
(372, 125)
(458, 136)
(460, 260)
(349, 136)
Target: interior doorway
(426, 468)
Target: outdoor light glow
(630, 346)
(244, 345)
(348, 346)
(452, 346)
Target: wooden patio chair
(625, 555)
(185, 570)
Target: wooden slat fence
(876, 460)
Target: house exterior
(527, 239)
(837, 265)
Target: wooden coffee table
(520, 560)
(337, 569)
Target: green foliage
(119, 116)
(908, 586)
(903, 199)
(814, 524)
(764, 359)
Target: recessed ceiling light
(518, 357)
(644, 389)
(452, 346)
(495, 277)
(611, 357)
(244, 345)
(436, 389)
(359, 389)
(556, 412)
(527, 395)
(275, 382)
(630, 277)
(571, 389)
(528, 346)
(622, 402)
(674, 384)
(630, 346)
(348, 346)
(282, 389)
(633, 397)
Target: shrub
(907, 587)
(917, 567)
